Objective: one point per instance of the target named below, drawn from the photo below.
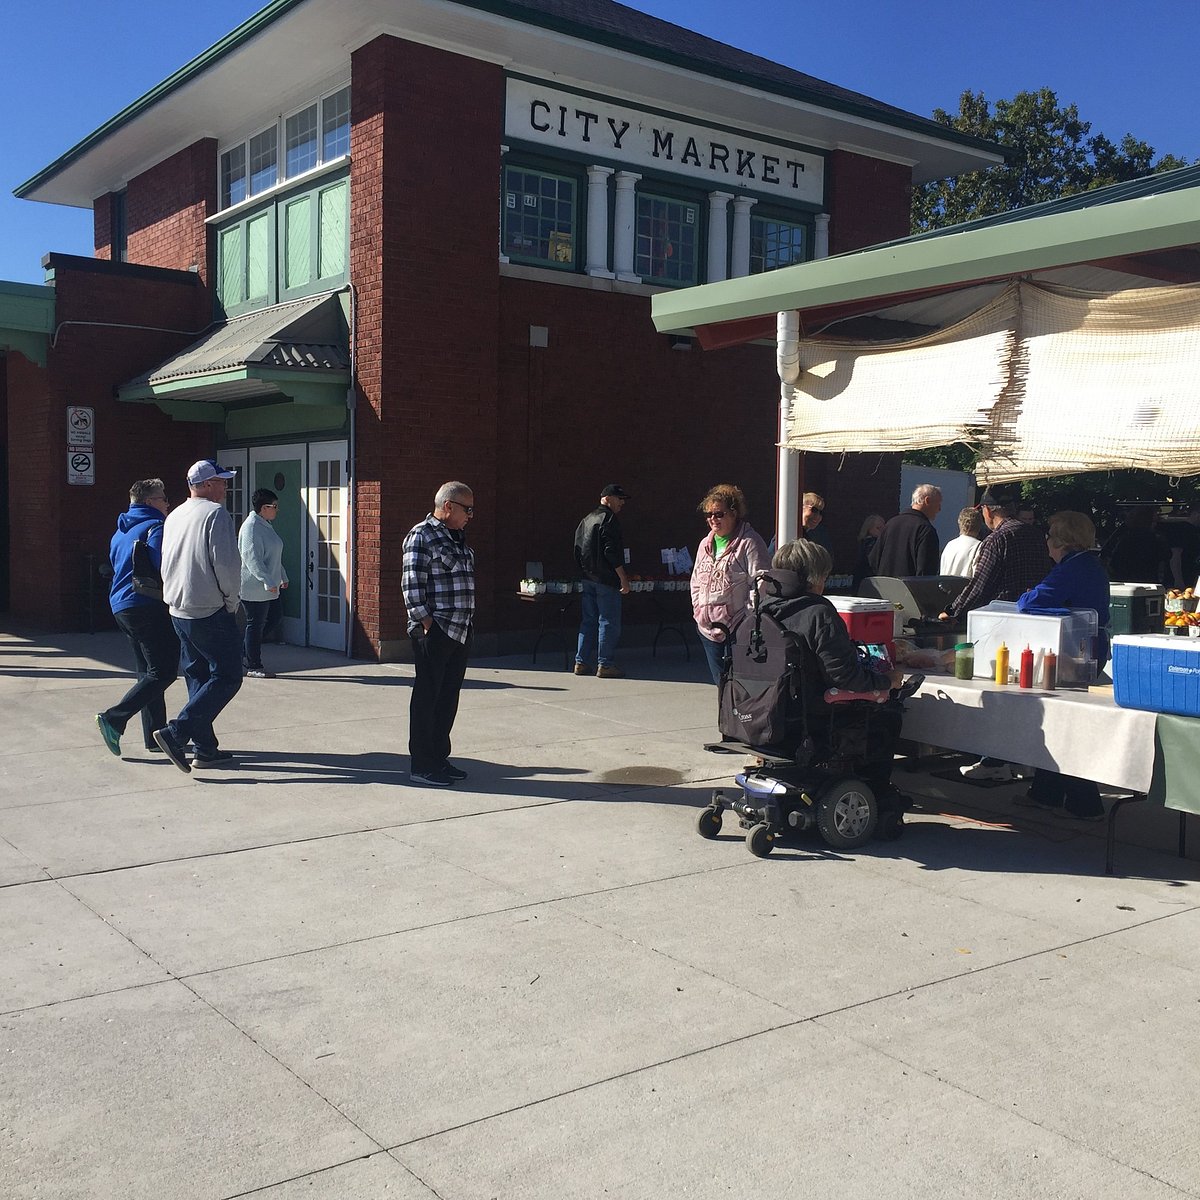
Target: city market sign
(607, 130)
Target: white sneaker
(981, 771)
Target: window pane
(258, 254)
(300, 134)
(775, 244)
(231, 270)
(539, 215)
(264, 167)
(665, 248)
(298, 235)
(233, 176)
(335, 125)
(331, 234)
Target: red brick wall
(166, 207)
(55, 527)
(102, 225)
(868, 201)
(424, 186)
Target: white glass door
(281, 469)
(325, 562)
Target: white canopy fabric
(1043, 380)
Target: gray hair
(450, 491)
(970, 522)
(923, 491)
(141, 491)
(809, 560)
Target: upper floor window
(776, 243)
(540, 217)
(667, 232)
(318, 133)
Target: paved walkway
(307, 978)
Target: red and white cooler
(868, 620)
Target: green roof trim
(27, 319)
(584, 19)
(1118, 221)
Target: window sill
(593, 283)
(275, 189)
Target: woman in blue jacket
(143, 619)
(1077, 580)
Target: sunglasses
(469, 509)
(817, 508)
(715, 516)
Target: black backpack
(146, 578)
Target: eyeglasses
(272, 504)
(715, 516)
(469, 509)
(817, 508)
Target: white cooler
(1071, 637)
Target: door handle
(309, 570)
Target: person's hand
(624, 589)
(427, 624)
(896, 676)
(273, 591)
(943, 616)
(282, 584)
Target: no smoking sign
(81, 467)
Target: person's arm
(612, 549)
(154, 545)
(984, 582)
(1053, 592)
(928, 555)
(414, 578)
(249, 544)
(839, 660)
(226, 558)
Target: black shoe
(452, 772)
(437, 779)
(218, 758)
(170, 746)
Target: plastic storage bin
(1157, 672)
(1135, 608)
(870, 621)
(1071, 637)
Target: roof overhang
(26, 320)
(1116, 236)
(249, 77)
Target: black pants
(441, 664)
(1078, 796)
(262, 619)
(156, 652)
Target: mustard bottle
(1002, 663)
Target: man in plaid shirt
(438, 582)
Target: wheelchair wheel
(847, 814)
(708, 823)
(760, 840)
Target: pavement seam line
(266, 1187)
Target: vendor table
(1073, 732)
(556, 604)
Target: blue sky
(69, 65)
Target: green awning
(26, 320)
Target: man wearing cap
(202, 575)
(600, 557)
(1012, 559)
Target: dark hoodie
(138, 519)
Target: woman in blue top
(1077, 580)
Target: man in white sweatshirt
(202, 574)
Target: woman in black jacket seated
(829, 659)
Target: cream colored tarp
(1043, 380)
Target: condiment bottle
(1025, 679)
(1002, 663)
(1049, 671)
(964, 660)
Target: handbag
(146, 579)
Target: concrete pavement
(305, 977)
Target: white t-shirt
(959, 555)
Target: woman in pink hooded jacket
(726, 563)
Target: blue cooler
(1157, 672)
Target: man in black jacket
(600, 557)
(909, 543)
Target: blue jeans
(600, 623)
(210, 652)
(715, 653)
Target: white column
(500, 232)
(739, 266)
(821, 235)
(787, 360)
(597, 222)
(624, 224)
(718, 236)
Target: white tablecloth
(1077, 733)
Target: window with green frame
(294, 245)
(776, 243)
(667, 234)
(540, 217)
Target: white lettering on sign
(608, 129)
(81, 467)
(81, 426)
(1172, 669)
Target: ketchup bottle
(1025, 678)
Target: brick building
(359, 249)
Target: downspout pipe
(351, 474)
(787, 361)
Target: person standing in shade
(600, 557)
(202, 575)
(144, 620)
(868, 535)
(263, 577)
(438, 583)
(812, 521)
(909, 543)
(959, 554)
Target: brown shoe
(610, 673)
(584, 669)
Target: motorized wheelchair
(812, 764)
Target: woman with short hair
(959, 554)
(263, 577)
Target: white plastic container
(1072, 638)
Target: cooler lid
(1134, 589)
(860, 604)
(1158, 641)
